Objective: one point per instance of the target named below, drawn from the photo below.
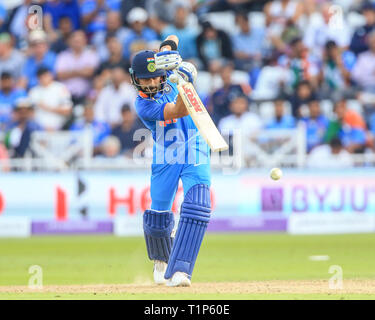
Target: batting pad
(194, 218)
(157, 228)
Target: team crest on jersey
(151, 67)
(167, 88)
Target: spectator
(364, 70)
(114, 28)
(110, 147)
(75, 67)
(280, 119)
(139, 34)
(335, 72)
(18, 24)
(278, 14)
(301, 97)
(126, 6)
(112, 97)
(162, 12)
(60, 44)
(54, 10)
(290, 32)
(241, 118)
(331, 155)
(9, 94)
(248, 44)
(100, 130)
(115, 56)
(271, 80)
(17, 139)
(212, 45)
(186, 34)
(221, 98)
(324, 29)
(52, 102)
(348, 126)
(39, 56)
(359, 42)
(11, 60)
(300, 64)
(94, 13)
(126, 129)
(115, 59)
(316, 125)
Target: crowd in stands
(313, 61)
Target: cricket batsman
(179, 152)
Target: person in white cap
(139, 34)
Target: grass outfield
(240, 266)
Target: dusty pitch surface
(274, 286)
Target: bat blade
(201, 118)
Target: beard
(151, 89)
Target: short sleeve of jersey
(150, 110)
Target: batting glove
(167, 60)
(187, 71)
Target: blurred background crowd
(262, 65)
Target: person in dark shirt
(221, 98)
(64, 31)
(115, 58)
(9, 94)
(18, 138)
(125, 131)
(359, 42)
(303, 94)
(213, 44)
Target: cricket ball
(276, 173)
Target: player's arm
(178, 109)
(175, 111)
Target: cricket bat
(198, 112)
(201, 117)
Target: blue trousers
(165, 179)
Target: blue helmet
(143, 67)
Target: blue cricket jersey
(177, 140)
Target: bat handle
(175, 77)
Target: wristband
(170, 43)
